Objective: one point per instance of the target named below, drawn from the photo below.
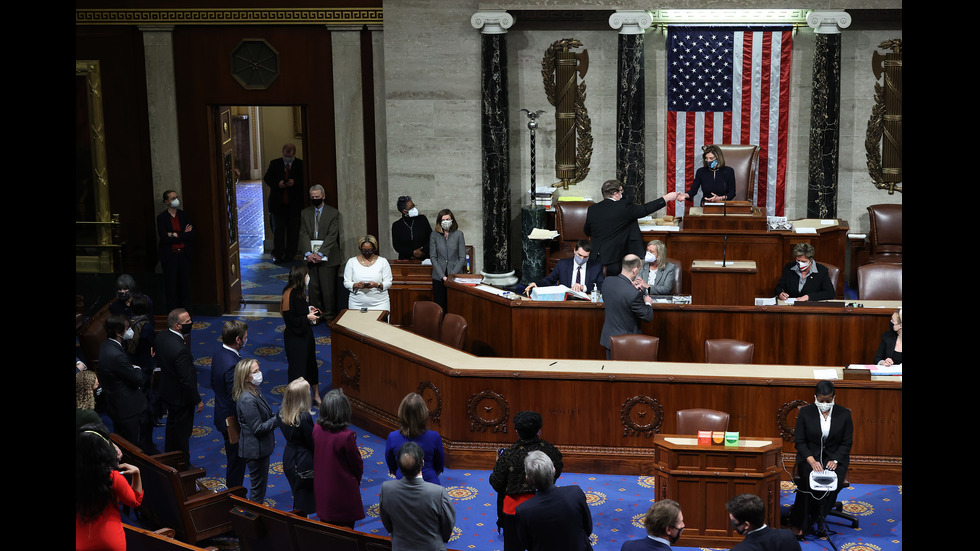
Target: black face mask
(123, 295)
(185, 328)
(316, 202)
(673, 539)
(735, 525)
(367, 253)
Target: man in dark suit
(747, 514)
(178, 381)
(417, 514)
(624, 303)
(233, 337)
(320, 226)
(556, 518)
(611, 223)
(174, 252)
(125, 402)
(664, 523)
(576, 272)
(285, 180)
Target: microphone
(724, 253)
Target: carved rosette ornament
(642, 415)
(433, 399)
(561, 69)
(350, 369)
(883, 141)
(487, 410)
(786, 430)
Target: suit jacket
(556, 518)
(769, 539)
(613, 229)
(836, 447)
(277, 173)
(178, 376)
(258, 438)
(165, 226)
(886, 348)
(817, 285)
(565, 270)
(448, 255)
(645, 544)
(663, 283)
(121, 382)
(222, 381)
(624, 307)
(418, 515)
(329, 232)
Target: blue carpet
(618, 502)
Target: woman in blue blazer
(258, 438)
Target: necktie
(285, 194)
(316, 224)
(578, 274)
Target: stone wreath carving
(561, 69)
(433, 399)
(883, 142)
(487, 410)
(782, 418)
(350, 369)
(641, 415)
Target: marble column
(821, 201)
(495, 151)
(161, 105)
(630, 106)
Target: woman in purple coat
(337, 463)
(412, 416)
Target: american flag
(729, 85)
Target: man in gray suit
(320, 226)
(417, 514)
(624, 303)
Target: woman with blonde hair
(85, 384)
(656, 277)
(258, 438)
(890, 347)
(368, 276)
(296, 424)
(413, 415)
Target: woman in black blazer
(804, 279)
(824, 432)
(258, 424)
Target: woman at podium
(715, 180)
(824, 432)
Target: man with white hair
(556, 518)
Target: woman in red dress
(100, 485)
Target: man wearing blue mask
(576, 272)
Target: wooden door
(228, 209)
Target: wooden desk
(412, 281)
(704, 478)
(602, 415)
(817, 335)
(770, 251)
(731, 284)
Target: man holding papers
(575, 272)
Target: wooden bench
(174, 497)
(160, 540)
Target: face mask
(446, 224)
(307, 282)
(98, 391)
(123, 295)
(712, 164)
(650, 258)
(257, 378)
(823, 407)
(367, 253)
(413, 212)
(803, 265)
(244, 342)
(128, 335)
(737, 527)
(175, 203)
(185, 328)
(317, 202)
(673, 539)
(288, 160)
(579, 260)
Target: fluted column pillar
(495, 151)
(161, 103)
(821, 201)
(630, 105)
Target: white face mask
(803, 265)
(823, 407)
(650, 257)
(413, 212)
(307, 283)
(175, 203)
(128, 335)
(446, 224)
(257, 378)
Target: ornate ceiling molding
(231, 16)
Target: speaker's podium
(702, 478)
